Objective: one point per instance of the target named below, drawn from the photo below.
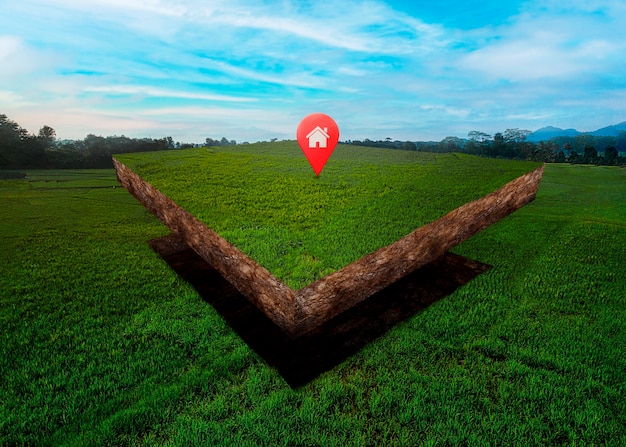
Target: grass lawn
(266, 200)
(102, 344)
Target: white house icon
(318, 137)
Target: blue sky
(251, 70)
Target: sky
(251, 70)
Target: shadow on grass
(301, 360)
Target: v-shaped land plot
(298, 312)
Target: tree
(478, 136)
(450, 144)
(546, 151)
(610, 155)
(47, 133)
(98, 150)
(43, 142)
(499, 147)
(478, 142)
(17, 148)
(408, 146)
(515, 140)
(582, 141)
(573, 157)
(516, 135)
(620, 141)
(590, 155)
(567, 147)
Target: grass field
(102, 344)
(266, 200)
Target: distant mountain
(546, 133)
(610, 131)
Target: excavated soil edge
(298, 312)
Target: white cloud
(540, 45)
(258, 66)
(141, 90)
(522, 60)
(295, 77)
(152, 17)
(18, 59)
(8, 97)
(9, 45)
(447, 110)
(368, 27)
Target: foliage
(21, 150)
(513, 144)
(388, 143)
(223, 142)
(102, 344)
(265, 199)
(96, 150)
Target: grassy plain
(102, 344)
(266, 200)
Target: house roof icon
(318, 137)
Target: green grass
(102, 344)
(266, 200)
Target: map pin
(317, 136)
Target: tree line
(21, 150)
(514, 144)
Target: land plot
(265, 200)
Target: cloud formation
(250, 70)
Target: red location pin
(317, 136)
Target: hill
(549, 132)
(610, 131)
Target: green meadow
(101, 343)
(266, 200)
